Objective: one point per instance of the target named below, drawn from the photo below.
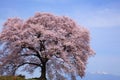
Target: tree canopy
(55, 44)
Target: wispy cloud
(104, 64)
(104, 17)
(100, 72)
(87, 13)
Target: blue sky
(101, 17)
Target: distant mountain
(91, 76)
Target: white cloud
(104, 63)
(100, 72)
(105, 17)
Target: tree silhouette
(55, 44)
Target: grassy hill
(15, 78)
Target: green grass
(11, 78)
(16, 78)
(33, 79)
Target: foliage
(55, 44)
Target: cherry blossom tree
(54, 44)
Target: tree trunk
(43, 72)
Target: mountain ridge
(100, 76)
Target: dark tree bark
(43, 72)
(43, 69)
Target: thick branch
(29, 55)
(30, 64)
(39, 65)
(38, 52)
(26, 45)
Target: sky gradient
(101, 17)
